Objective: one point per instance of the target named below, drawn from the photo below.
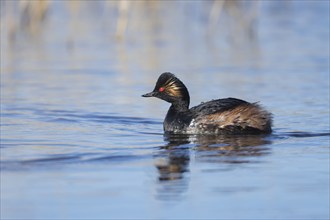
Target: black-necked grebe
(221, 116)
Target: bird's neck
(179, 106)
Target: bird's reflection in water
(230, 149)
(172, 163)
(172, 160)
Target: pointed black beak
(150, 94)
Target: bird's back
(229, 116)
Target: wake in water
(303, 134)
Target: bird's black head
(170, 89)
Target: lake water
(79, 142)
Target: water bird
(220, 116)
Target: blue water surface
(79, 142)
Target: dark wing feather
(215, 106)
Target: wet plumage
(221, 116)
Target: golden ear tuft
(173, 88)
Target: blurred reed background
(26, 16)
(70, 24)
(226, 44)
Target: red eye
(161, 89)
